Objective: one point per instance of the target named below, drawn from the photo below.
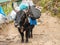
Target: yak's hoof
(31, 36)
(26, 41)
(22, 41)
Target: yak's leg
(22, 35)
(31, 31)
(31, 35)
(27, 34)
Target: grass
(7, 8)
(43, 2)
(58, 15)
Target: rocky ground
(47, 32)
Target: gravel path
(47, 32)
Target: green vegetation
(50, 5)
(7, 8)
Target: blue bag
(32, 21)
(1, 11)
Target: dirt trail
(45, 33)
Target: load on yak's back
(11, 16)
(2, 19)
